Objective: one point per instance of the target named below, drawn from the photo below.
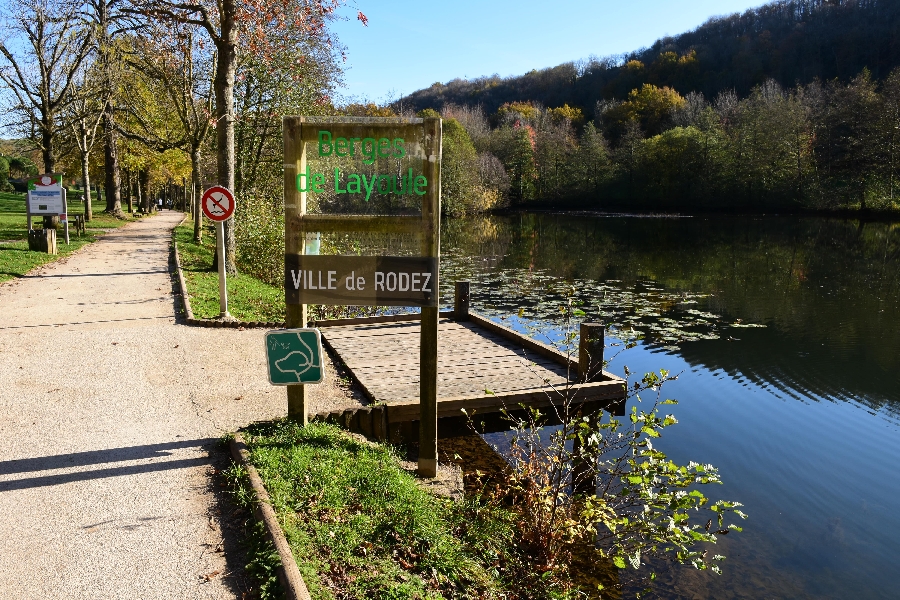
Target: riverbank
(361, 524)
(613, 210)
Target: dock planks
(385, 359)
(481, 365)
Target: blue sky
(410, 45)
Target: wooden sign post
(359, 161)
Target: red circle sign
(218, 203)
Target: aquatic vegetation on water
(662, 318)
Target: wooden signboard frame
(303, 132)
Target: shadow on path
(97, 457)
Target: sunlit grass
(360, 526)
(249, 299)
(16, 259)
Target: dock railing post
(590, 352)
(590, 368)
(461, 301)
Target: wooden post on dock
(590, 368)
(590, 351)
(461, 301)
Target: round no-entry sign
(217, 203)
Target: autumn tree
(556, 147)
(43, 47)
(650, 106)
(889, 126)
(847, 144)
(520, 161)
(83, 116)
(179, 68)
(235, 26)
(628, 154)
(593, 161)
(109, 23)
(298, 78)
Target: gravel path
(109, 415)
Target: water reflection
(814, 303)
(800, 412)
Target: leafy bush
(259, 234)
(595, 488)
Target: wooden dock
(483, 368)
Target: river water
(786, 333)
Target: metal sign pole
(218, 204)
(220, 248)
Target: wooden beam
(358, 127)
(294, 207)
(526, 342)
(357, 223)
(444, 314)
(428, 344)
(461, 301)
(590, 351)
(538, 397)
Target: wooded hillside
(790, 41)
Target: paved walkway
(109, 415)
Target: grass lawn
(16, 259)
(360, 526)
(249, 299)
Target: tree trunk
(111, 161)
(50, 221)
(196, 187)
(224, 89)
(47, 150)
(129, 188)
(86, 180)
(144, 187)
(110, 137)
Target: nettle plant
(596, 486)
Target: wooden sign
(361, 280)
(355, 168)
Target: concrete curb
(288, 573)
(189, 314)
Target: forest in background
(790, 106)
(790, 41)
(821, 146)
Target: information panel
(45, 195)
